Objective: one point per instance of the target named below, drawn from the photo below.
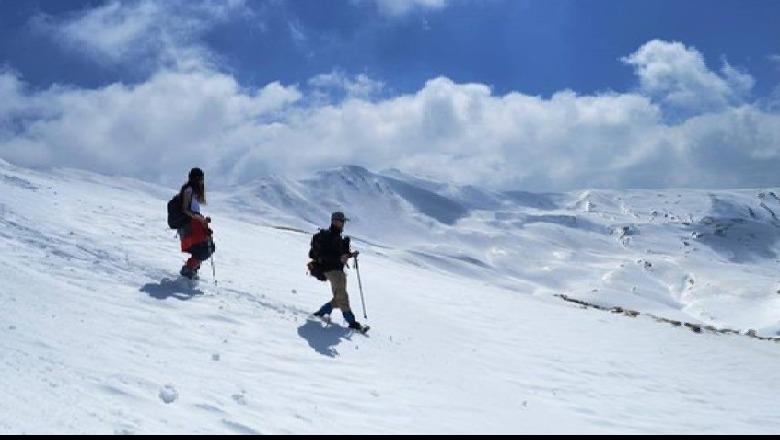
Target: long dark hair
(196, 182)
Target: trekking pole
(360, 285)
(211, 257)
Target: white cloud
(144, 31)
(297, 32)
(397, 8)
(456, 132)
(678, 77)
(145, 130)
(773, 102)
(360, 86)
(10, 90)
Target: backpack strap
(315, 251)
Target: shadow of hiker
(323, 340)
(168, 288)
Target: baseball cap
(338, 215)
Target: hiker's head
(197, 179)
(196, 175)
(338, 219)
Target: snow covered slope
(99, 336)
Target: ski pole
(360, 286)
(211, 257)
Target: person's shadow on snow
(323, 339)
(182, 290)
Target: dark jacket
(327, 247)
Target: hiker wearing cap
(195, 235)
(331, 251)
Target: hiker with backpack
(193, 228)
(330, 252)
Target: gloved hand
(346, 257)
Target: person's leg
(325, 310)
(350, 318)
(190, 267)
(200, 253)
(338, 280)
(338, 283)
(192, 263)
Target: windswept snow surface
(98, 335)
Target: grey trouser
(338, 283)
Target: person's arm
(346, 253)
(187, 201)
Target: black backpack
(176, 217)
(314, 265)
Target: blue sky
(427, 79)
(537, 47)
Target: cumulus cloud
(449, 131)
(677, 76)
(10, 90)
(147, 130)
(143, 31)
(446, 130)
